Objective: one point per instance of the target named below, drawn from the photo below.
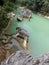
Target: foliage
(9, 5)
(6, 6)
(41, 6)
(3, 18)
(45, 8)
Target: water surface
(38, 29)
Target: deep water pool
(38, 29)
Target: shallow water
(38, 29)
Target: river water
(38, 29)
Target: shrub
(3, 19)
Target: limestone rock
(18, 58)
(19, 18)
(22, 31)
(24, 58)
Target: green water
(38, 29)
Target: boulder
(19, 18)
(26, 13)
(22, 31)
(18, 58)
(22, 57)
(11, 15)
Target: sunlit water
(38, 29)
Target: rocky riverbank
(43, 15)
(24, 58)
(9, 43)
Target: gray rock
(18, 58)
(26, 13)
(24, 58)
(22, 31)
(19, 18)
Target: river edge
(5, 29)
(45, 16)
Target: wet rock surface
(9, 43)
(6, 50)
(12, 50)
(19, 18)
(22, 31)
(24, 14)
(24, 58)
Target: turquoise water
(38, 29)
